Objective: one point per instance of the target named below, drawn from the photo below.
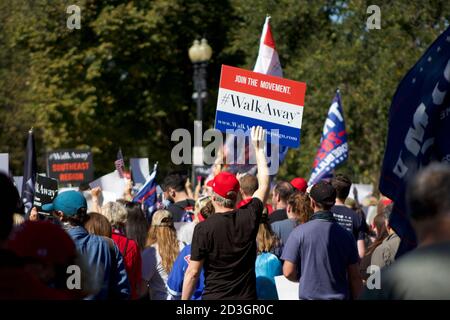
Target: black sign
(70, 166)
(45, 190)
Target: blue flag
(333, 148)
(29, 174)
(419, 130)
(147, 195)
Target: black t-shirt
(227, 243)
(350, 220)
(278, 215)
(178, 209)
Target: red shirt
(132, 258)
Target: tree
(124, 79)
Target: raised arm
(258, 141)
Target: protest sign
(111, 182)
(4, 163)
(286, 289)
(139, 170)
(45, 190)
(249, 99)
(70, 166)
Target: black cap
(323, 193)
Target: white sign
(140, 170)
(287, 290)
(4, 163)
(111, 182)
(105, 197)
(364, 191)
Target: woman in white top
(159, 255)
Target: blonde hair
(115, 213)
(165, 236)
(266, 240)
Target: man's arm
(191, 278)
(290, 271)
(258, 141)
(355, 280)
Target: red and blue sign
(248, 99)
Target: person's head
(299, 207)
(387, 215)
(281, 194)
(116, 214)
(136, 227)
(69, 207)
(299, 184)
(46, 249)
(323, 196)
(162, 232)
(225, 188)
(203, 209)
(381, 233)
(174, 187)
(266, 240)
(428, 202)
(249, 184)
(9, 204)
(342, 184)
(98, 224)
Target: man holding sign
(225, 244)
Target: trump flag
(419, 130)
(333, 148)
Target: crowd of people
(227, 239)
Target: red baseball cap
(43, 241)
(224, 183)
(300, 184)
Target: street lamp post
(199, 54)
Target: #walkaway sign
(249, 99)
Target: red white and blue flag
(333, 148)
(147, 195)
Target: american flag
(147, 195)
(119, 163)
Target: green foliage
(124, 79)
